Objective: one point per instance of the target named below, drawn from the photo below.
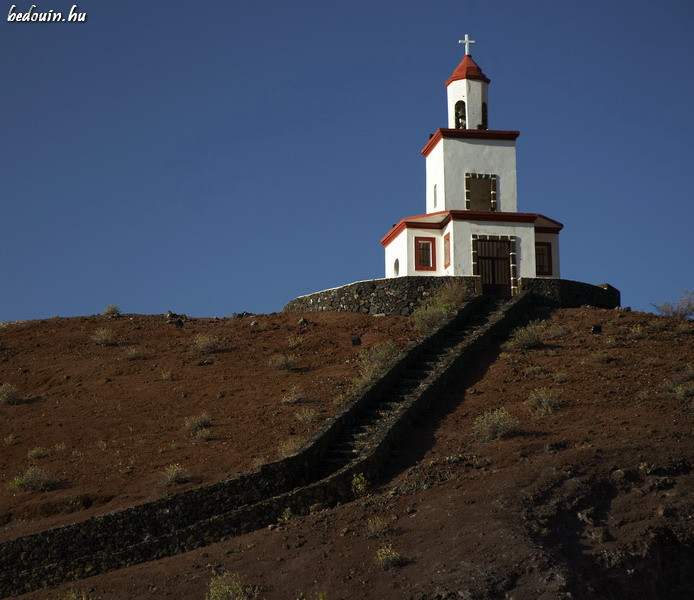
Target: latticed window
(425, 254)
(485, 121)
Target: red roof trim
(467, 69)
(480, 134)
(468, 215)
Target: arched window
(396, 267)
(484, 116)
(460, 120)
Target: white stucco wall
(462, 156)
(552, 238)
(397, 249)
(473, 92)
(434, 177)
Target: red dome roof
(467, 69)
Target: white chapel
(472, 225)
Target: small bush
(167, 376)
(228, 586)
(282, 362)
(8, 439)
(682, 310)
(543, 401)
(378, 527)
(360, 485)
(132, 353)
(38, 452)
(602, 358)
(536, 372)
(111, 311)
(196, 423)
(285, 517)
(104, 337)
(32, 480)
(174, 474)
(387, 557)
(207, 344)
(376, 359)
(9, 394)
(430, 318)
(306, 415)
(534, 335)
(561, 377)
(294, 341)
(494, 425)
(203, 434)
(436, 310)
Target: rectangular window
(447, 250)
(425, 254)
(543, 258)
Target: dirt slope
(594, 500)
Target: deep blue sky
(217, 156)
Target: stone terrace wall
(401, 295)
(396, 296)
(572, 294)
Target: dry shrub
(534, 335)
(376, 359)
(387, 557)
(378, 527)
(494, 425)
(543, 401)
(436, 310)
(536, 372)
(174, 474)
(111, 311)
(207, 344)
(360, 485)
(9, 394)
(228, 586)
(561, 377)
(32, 480)
(294, 396)
(38, 452)
(132, 353)
(682, 310)
(294, 341)
(104, 337)
(282, 362)
(196, 423)
(204, 434)
(167, 375)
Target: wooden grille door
(493, 257)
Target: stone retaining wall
(395, 296)
(401, 295)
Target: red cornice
(468, 215)
(479, 134)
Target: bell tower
(467, 94)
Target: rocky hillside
(579, 487)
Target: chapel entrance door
(494, 258)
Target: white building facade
(472, 226)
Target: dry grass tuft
(197, 422)
(104, 337)
(111, 311)
(207, 344)
(32, 480)
(174, 474)
(228, 586)
(682, 310)
(387, 557)
(38, 452)
(543, 401)
(494, 425)
(282, 362)
(9, 394)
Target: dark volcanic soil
(592, 501)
